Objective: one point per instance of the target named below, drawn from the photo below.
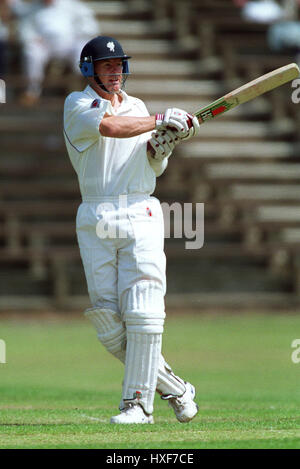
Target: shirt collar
(89, 90)
(125, 104)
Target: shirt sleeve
(140, 105)
(158, 166)
(82, 117)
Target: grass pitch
(59, 386)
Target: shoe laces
(130, 407)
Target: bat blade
(249, 91)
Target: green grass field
(59, 387)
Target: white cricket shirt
(106, 166)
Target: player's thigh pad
(110, 330)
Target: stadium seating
(245, 167)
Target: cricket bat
(249, 91)
(245, 93)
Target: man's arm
(178, 120)
(126, 127)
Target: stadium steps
(218, 274)
(164, 68)
(173, 87)
(148, 48)
(130, 28)
(244, 149)
(108, 9)
(233, 172)
(272, 192)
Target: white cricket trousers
(121, 241)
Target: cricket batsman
(117, 150)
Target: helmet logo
(111, 46)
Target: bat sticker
(213, 111)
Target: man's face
(110, 73)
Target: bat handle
(190, 121)
(150, 149)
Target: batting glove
(194, 127)
(178, 120)
(162, 143)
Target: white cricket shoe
(132, 413)
(184, 407)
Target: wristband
(159, 119)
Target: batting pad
(143, 304)
(141, 367)
(143, 313)
(110, 330)
(168, 384)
